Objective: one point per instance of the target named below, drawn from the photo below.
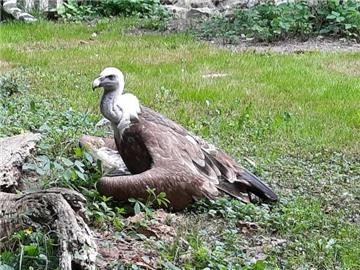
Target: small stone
(168, 2)
(198, 13)
(178, 12)
(202, 4)
(215, 75)
(103, 123)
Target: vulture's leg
(180, 189)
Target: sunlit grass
(312, 88)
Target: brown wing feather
(174, 139)
(202, 158)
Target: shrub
(333, 18)
(11, 84)
(271, 22)
(28, 249)
(74, 11)
(142, 8)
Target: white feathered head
(110, 79)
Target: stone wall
(42, 5)
(183, 9)
(21, 9)
(46, 5)
(190, 9)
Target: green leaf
(78, 152)
(67, 175)
(43, 159)
(61, 10)
(43, 257)
(80, 175)
(40, 171)
(32, 106)
(137, 209)
(6, 267)
(79, 165)
(331, 17)
(67, 162)
(29, 167)
(88, 157)
(340, 19)
(58, 166)
(44, 128)
(259, 265)
(30, 250)
(170, 266)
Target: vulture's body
(163, 155)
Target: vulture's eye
(111, 77)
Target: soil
(319, 44)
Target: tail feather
(256, 186)
(236, 180)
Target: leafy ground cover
(296, 19)
(293, 119)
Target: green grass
(312, 87)
(296, 115)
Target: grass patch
(304, 86)
(295, 116)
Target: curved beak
(96, 83)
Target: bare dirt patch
(294, 46)
(319, 43)
(4, 66)
(136, 250)
(346, 67)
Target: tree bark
(55, 209)
(13, 152)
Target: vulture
(163, 155)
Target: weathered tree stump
(56, 209)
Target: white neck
(120, 109)
(107, 105)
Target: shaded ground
(294, 46)
(319, 44)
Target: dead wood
(104, 149)
(57, 209)
(13, 152)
